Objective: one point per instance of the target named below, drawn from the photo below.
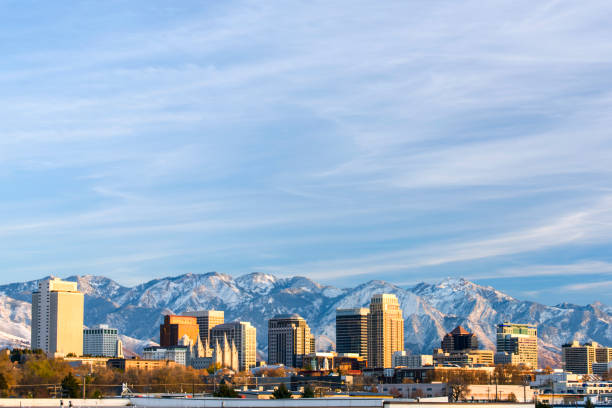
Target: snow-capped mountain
(430, 310)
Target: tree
(395, 393)
(540, 404)
(213, 368)
(226, 391)
(308, 392)
(512, 397)
(457, 389)
(70, 386)
(281, 392)
(417, 393)
(4, 386)
(588, 403)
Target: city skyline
(342, 142)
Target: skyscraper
(352, 331)
(175, 327)
(207, 319)
(385, 330)
(243, 335)
(57, 318)
(459, 340)
(102, 341)
(519, 341)
(289, 339)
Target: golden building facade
(385, 330)
(520, 340)
(207, 319)
(175, 327)
(57, 318)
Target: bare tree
(458, 389)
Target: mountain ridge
(430, 309)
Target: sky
(344, 141)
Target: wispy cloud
(342, 141)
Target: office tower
(385, 330)
(207, 319)
(243, 335)
(459, 340)
(102, 341)
(519, 341)
(579, 359)
(289, 339)
(352, 331)
(57, 318)
(175, 327)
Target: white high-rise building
(102, 341)
(243, 335)
(57, 318)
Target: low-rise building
(475, 392)
(177, 354)
(471, 358)
(138, 364)
(403, 359)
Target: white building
(102, 341)
(178, 354)
(242, 336)
(402, 359)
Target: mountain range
(430, 310)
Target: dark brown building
(459, 340)
(175, 327)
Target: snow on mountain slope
(15, 316)
(430, 310)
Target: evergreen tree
(588, 403)
(542, 405)
(226, 391)
(281, 392)
(70, 386)
(308, 392)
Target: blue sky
(343, 141)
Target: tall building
(385, 330)
(289, 339)
(207, 319)
(175, 327)
(579, 359)
(243, 335)
(459, 340)
(519, 341)
(102, 341)
(352, 331)
(57, 318)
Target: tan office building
(520, 340)
(289, 340)
(385, 330)
(57, 318)
(243, 335)
(579, 359)
(207, 319)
